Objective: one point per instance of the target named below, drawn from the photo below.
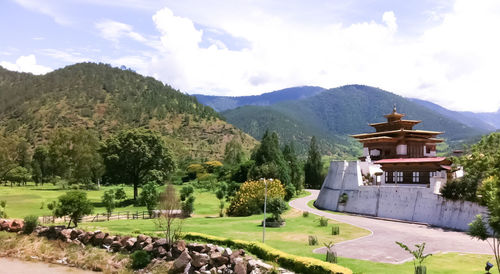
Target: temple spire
(394, 109)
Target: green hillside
(108, 99)
(334, 114)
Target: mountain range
(332, 114)
(107, 99)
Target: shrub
(186, 191)
(313, 240)
(305, 214)
(331, 255)
(108, 199)
(75, 204)
(120, 194)
(188, 206)
(140, 259)
(212, 166)
(290, 192)
(3, 213)
(294, 263)
(323, 221)
(276, 206)
(335, 230)
(149, 196)
(30, 223)
(250, 198)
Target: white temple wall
(404, 202)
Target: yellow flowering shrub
(250, 198)
(212, 166)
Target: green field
(291, 238)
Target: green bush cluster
(30, 223)
(323, 221)
(250, 198)
(140, 259)
(292, 262)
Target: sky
(444, 51)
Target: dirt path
(15, 266)
(380, 246)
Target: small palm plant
(331, 255)
(419, 256)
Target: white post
(265, 202)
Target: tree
(8, 155)
(295, 169)
(149, 196)
(73, 155)
(74, 204)
(234, 154)
(186, 191)
(3, 205)
(269, 160)
(313, 167)
(169, 203)
(40, 164)
(108, 199)
(19, 175)
(130, 155)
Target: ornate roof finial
(394, 109)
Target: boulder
(86, 237)
(196, 247)
(108, 240)
(236, 254)
(160, 242)
(98, 238)
(129, 244)
(16, 226)
(217, 259)
(227, 252)
(240, 267)
(182, 263)
(65, 235)
(199, 259)
(116, 246)
(75, 233)
(178, 247)
(141, 238)
(5, 224)
(160, 252)
(148, 248)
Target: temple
(403, 154)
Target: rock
(178, 248)
(108, 240)
(161, 252)
(65, 235)
(98, 238)
(217, 259)
(141, 238)
(16, 226)
(263, 266)
(213, 270)
(75, 233)
(5, 224)
(227, 252)
(116, 246)
(41, 231)
(240, 266)
(148, 248)
(160, 242)
(129, 244)
(236, 254)
(251, 265)
(199, 259)
(196, 247)
(182, 262)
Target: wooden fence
(101, 217)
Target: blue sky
(442, 51)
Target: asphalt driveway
(380, 246)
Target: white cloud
(113, 31)
(47, 7)
(26, 64)
(453, 63)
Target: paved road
(16, 266)
(380, 245)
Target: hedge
(292, 262)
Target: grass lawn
(292, 238)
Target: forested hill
(334, 114)
(108, 99)
(222, 103)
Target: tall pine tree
(312, 168)
(293, 162)
(269, 160)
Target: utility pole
(265, 202)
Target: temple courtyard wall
(403, 202)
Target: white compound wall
(408, 202)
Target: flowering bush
(250, 198)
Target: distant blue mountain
(222, 103)
(489, 121)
